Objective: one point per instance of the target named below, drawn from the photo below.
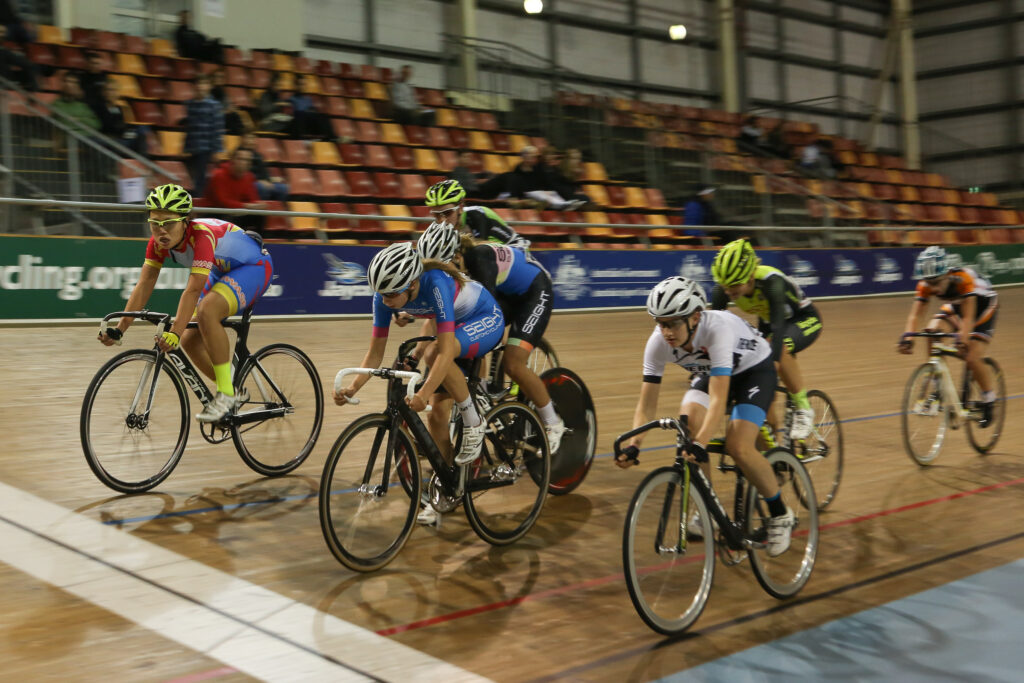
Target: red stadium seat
(330, 183)
(300, 181)
(360, 184)
(402, 157)
(387, 185)
(377, 156)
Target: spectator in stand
(469, 180)
(192, 44)
(71, 105)
(308, 121)
(14, 66)
(775, 141)
(274, 109)
(828, 152)
(236, 121)
(204, 133)
(405, 104)
(233, 186)
(267, 186)
(701, 211)
(815, 161)
(93, 80)
(565, 172)
(112, 121)
(752, 135)
(15, 29)
(532, 180)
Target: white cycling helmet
(439, 241)
(932, 262)
(394, 268)
(676, 297)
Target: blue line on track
(285, 499)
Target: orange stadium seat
(300, 181)
(426, 159)
(351, 154)
(304, 222)
(295, 152)
(325, 154)
(377, 156)
(366, 131)
(387, 185)
(330, 183)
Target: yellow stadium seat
(426, 159)
(446, 118)
(128, 85)
(479, 140)
(635, 198)
(594, 172)
(326, 154)
(392, 134)
(397, 226)
(130, 64)
(495, 163)
(49, 34)
(375, 91)
(359, 108)
(304, 222)
(282, 62)
(161, 47)
(597, 194)
(172, 142)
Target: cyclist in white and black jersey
(732, 366)
(446, 203)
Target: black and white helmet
(676, 297)
(394, 268)
(439, 241)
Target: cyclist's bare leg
(789, 372)
(192, 344)
(977, 350)
(515, 364)
(740, 438)
(437, 423)
(212, 310)
(696, 414)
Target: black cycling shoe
(986, 414)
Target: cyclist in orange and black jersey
(970, 312)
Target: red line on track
(593, 583)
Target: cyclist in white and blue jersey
(732, 366)
(468, 321)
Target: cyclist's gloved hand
(906, 344)
(110, 336)
(168, 341)
(341, 397)
(699, 453)
(628, 457)
(409, 363)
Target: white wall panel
(977, 130)
(963, 47)
(676, 64)
(805, 83)
(762, 82)
(816, 6)
(335, 18)
(863, 50)
(529, 34)
(607, 10)
(760, 29)
(594, 52)
(978, 9)
(859, 16)
(968, 172)
(336, 55)
(863, 90)
(1018, 37)
(808, 40)
(414, 24)
(953, 92)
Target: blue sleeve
(441, 294)
(381, 314)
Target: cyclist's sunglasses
(444, 214)
(388, 295)
(153, 223)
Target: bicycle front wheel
(507, 485)
(925, 414)
(668, 575)
(368, 498)
(280, 382)
(822, 452)
(135, 421)
(983, 439)
(785, 575)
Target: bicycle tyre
(570, 465)
(95, 453)
(915, 404)
(514, 456)
(340, 497)
(784, 576)
(634, 540)
(267, 389)
(823, 458)
(994, 430)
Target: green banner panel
(1000, 264)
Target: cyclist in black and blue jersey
(446, 201)
(523, 289)
(785, 316)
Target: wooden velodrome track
(553, 606)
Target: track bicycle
(371, 487)
(135, 416)
(932, 403)
(669, 572)
(822, 451)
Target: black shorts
(801, 331)
(984, 327)
(750, 392)
(529, 312)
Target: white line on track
(243, 625)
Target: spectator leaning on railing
(405, 105)
(204, 133)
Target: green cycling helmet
(169, 197)
(734, 263)
(445, 192)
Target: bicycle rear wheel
(925, 415)
(984, 439)
(822, 452)
(785, 575)
(132, 443)
(366, 516)
(668, 576)
(280, 380)
(569, 466)
(507, 485)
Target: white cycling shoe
(780, 532)
(803, 424)
(220, 407)
(472, 442)
(555, 432)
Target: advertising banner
(67, 277)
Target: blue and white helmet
(932, 262)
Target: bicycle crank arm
(259, 415)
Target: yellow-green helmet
(734, 263)
(445, 192)
(169, 197)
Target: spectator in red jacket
(233, 186)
